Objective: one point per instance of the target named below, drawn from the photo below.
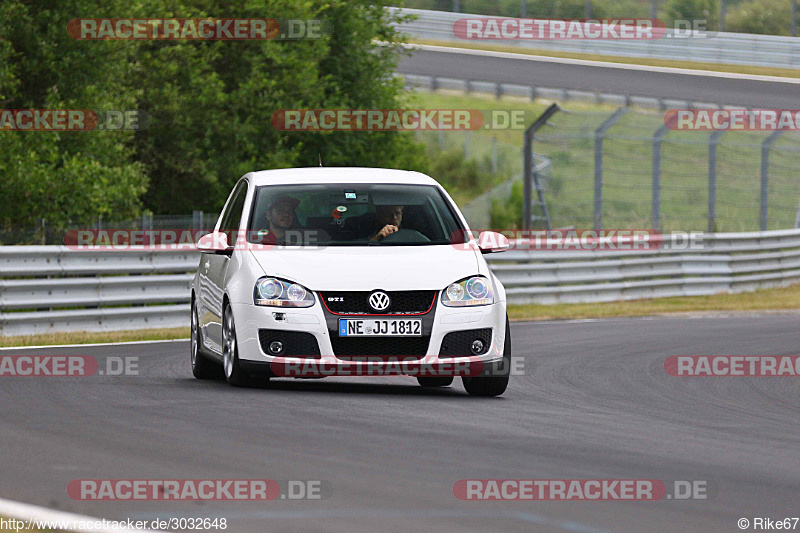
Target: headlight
(276, 292)
(476, 290)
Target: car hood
(366, 268)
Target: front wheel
(496, 384)
(230, 351)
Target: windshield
(352, 215)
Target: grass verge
(89, 337)
(713, 67)
(568, 141)
(784, 298)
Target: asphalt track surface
(594, 403)
(536, 73)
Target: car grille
(367, 348)
(459, 343)
(295, 343)
(356, 302)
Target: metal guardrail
(722, 47)
(67, 290)
(432, 83)
(726, 262)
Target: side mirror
(214, 243)
(490, 242)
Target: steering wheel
(406, 235)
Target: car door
(213, 268)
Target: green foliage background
(209, 105)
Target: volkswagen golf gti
(346, 266)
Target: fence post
(598, 164)
(797, 217)
(527, 163)
(656, 209)
(44, 232)
(494, 156)
(764, 205)
(712, 179)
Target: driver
(387, 220)
(281, 217)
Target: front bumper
(438, 322)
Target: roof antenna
(320, 158)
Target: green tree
(64, 175)
(770, 17)
(707, 10)
(211, 102)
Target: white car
(344, 265)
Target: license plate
(382, 327)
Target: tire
(202, 366)
(494, 385)
(435, 381)
(230, 351)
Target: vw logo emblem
(379, 301)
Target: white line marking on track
(26, 512)
(90, 345)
